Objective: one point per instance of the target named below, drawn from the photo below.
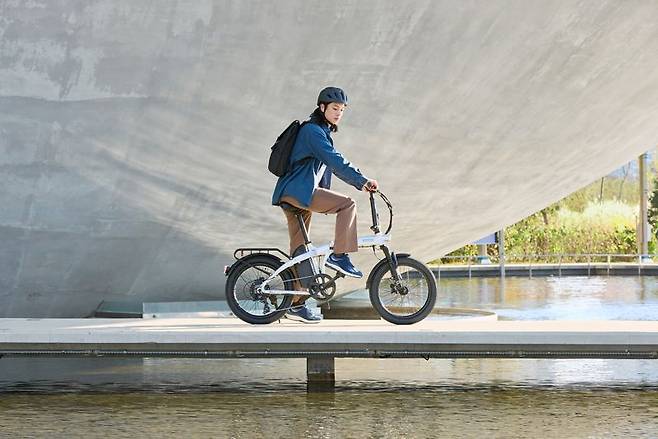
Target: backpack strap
(304, 159)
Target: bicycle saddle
(292, 209)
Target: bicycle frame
(379, 239)
(324, 251)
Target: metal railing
(559, 259)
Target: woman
(306, 186)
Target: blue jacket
(315, 143)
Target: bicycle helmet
(332, 94)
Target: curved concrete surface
(134, 135)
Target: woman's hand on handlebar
(370, 186)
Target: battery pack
(305, 268)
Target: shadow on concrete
(114, 208)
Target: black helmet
(332, 94)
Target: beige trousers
(326, 201)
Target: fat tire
(243, 265)
(423, 312)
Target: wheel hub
(399, 288)
(254, 291)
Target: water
(404, 412)
(375, 398)
(555, 298)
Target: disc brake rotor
(399, 288)
(251, 288)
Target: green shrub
(600, 228)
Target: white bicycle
(261, 285)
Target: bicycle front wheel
(408, 301)
(242, 297)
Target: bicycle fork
(392, 263)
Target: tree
(626, 169)
(601, 190)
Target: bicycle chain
(320, 302)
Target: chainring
(322, 287)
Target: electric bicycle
(261, 283)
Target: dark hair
(317, 117)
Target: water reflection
(557, 298)
(72, 375)
(372, 409)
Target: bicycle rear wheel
(410, 300)
(242, 297)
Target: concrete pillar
(643, 235)
(501, 252)
(483, 257)
(320, 374)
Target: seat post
(302, 227)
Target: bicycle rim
(415, 295)
(253, 303)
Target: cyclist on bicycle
(307, 186)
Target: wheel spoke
(409, 303)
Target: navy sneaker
(302, 314)
(343, 264)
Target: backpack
(282, 149)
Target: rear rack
(242, 252)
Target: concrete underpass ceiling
(135, 135)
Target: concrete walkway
(331, 338)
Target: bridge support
(644, 230)
(320, 374)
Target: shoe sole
(340, 270)
(300, 319)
